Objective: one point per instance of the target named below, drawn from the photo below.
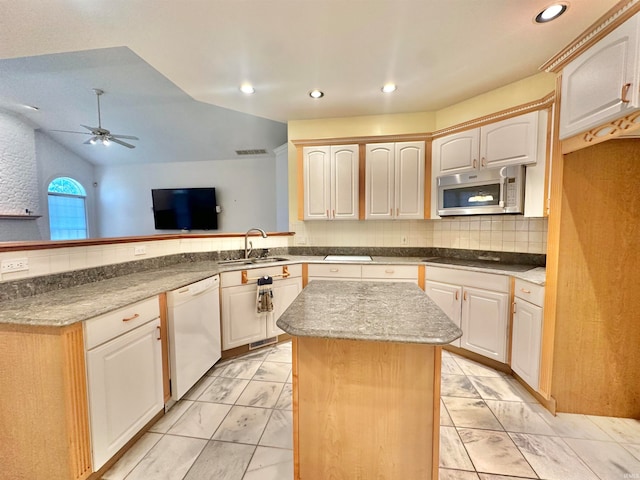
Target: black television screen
(184, 208)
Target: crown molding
(613, 18)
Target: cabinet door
(241, 323)
(527, 341)
(284, 292)
(509, 142)
(593, 83)
(457, 153)
(448, 298)
(379, 183)
(316, 164)
(409, 180)
(344, 182)
(484, 322)
(124, 379)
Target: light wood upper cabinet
(394, 185)
(513, 141)
(602, 83)
(330, 176)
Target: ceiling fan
(102, 135)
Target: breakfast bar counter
(366, 380)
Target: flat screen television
(184, 208)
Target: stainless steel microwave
(486, 192)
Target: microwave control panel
(511, 195)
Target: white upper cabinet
(513, 141)
(394, 185)
(331, 182)
(457, 153)
(602, 83)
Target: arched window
(67, 212)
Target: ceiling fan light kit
(100, 134)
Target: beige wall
(521, 235)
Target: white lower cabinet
(356, 272)
(124, 376)
(448, 298)
(478, 303)
(527, 332)
(241, 323)
(485, 322)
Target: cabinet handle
(159, 334)
(328, 214)
(483, 162)
(475, 163)
(397, 212)
(464, 297)
(333, 214)
(514, 308)
(128, 319)
(625, 91)
(389, 270)
(525, 291)
(333, 270)
(457, 294)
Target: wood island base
(365, 409)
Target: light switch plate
(140, 250)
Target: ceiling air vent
(256, 151)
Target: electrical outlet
(14, 265)
(404, 240)
(140, 250)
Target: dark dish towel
(264, 295)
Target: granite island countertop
(373, 311)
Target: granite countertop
(374, 311)
(70, 305)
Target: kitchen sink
(268, 260)
(252, 261)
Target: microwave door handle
(503, 190)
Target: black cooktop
(510, 267)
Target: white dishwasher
(194, 332)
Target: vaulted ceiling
(171, 70)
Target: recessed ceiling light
(389, 87)
(247, 89)
(551, 13)
(316, 94)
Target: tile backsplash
(58, 260)
(504, 233)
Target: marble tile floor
(236, 424)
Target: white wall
(54, 161)
(282, 188)
(245, 188)
(18, 178)
(29, 160)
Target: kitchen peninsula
(366, 380)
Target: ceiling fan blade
(120, 142)
(91, 129)
(128, 137)
(69, 131)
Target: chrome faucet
(248, 247)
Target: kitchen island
(366, 380)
